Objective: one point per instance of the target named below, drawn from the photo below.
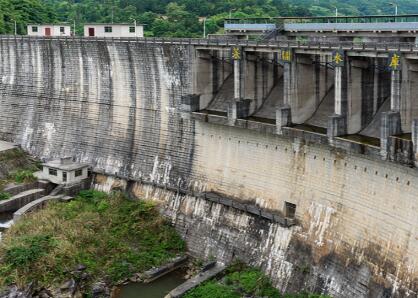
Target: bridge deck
(406, 47)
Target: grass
(112, 236)
(4, 196)
(18, 167)
(23, 176)
(242, 281)
(12, 154)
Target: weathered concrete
(21, 199)
(15, 189)
(415, 140)
(196, 281)
(116, 105)
(390, 126)
(33, 206)
(283, 118)
(337, 126)
(155, 273)
(190, 103)
(4, 146)
(238, 108)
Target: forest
(179, 18)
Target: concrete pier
(337, 125)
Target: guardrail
(270, 44)
(326, 19)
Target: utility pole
(113, 13)
(135, 27)
(74, 28)
(204, 27)
(396, 7)
(15, 27)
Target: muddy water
(156, 289)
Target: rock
(13, 292)
(68, 285)
(44, 293)
(29, 290)
(81, 267)
(115, 292)
(100, 289)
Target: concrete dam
(295, 157)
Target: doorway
(47, 31)
(92, 32)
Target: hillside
(178, 18)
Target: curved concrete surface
(32, 206)
(224, 96)
(325, 109)
(21, 199)
(275, 98)
(373, 129)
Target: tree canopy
(179, 18)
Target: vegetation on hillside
(111, 236)
(242, 281)
(16, 166)
(179, 18)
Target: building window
(34, 29)
(131, 29)
(108, 29)
(290, 210)
(53, 172)
(62, 29)
(78, 173)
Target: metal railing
(326, 19)
(270, 44)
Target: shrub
(4, 195)
(23, 176)
(112, 236)
(27, 250)
(212, 289)
(242, 281)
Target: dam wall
(108, 104)
(115, 105)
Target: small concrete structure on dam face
(326, 125)
(63, 171)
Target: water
(6, 220)
(156, 289)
